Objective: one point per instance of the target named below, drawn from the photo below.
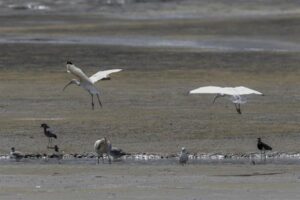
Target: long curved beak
(217, 96)
(71, 82)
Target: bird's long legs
(49, 143)
(238, 108)
(99, 100)
(92, 101)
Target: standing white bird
(87, 83)
(183, 156)
(235, 94)
(101, 147)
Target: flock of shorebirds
(103, 147)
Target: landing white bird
(87, 83)
(183, 156)
(101, 147)
(235, 94)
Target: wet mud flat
(146, 107)
(133, 181)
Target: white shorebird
(86, 82)
(235, 94)
(183, 156)
(17, 155)
(101, 147)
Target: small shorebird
(183, 156)
(103, 146)
(86, 82)
(48, 134)
(116, 153)
(17, 155)
(263, 147)
(235, 94)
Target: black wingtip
(69, 62)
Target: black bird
(117, 153)
(263, 147)
(48, 134)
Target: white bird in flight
(235, 94)
(86, 82)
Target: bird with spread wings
(86, 82)
(235, 94)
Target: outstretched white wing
(207, 90)
(77, 72)
(241, 90)
(103, 74)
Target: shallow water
(143, 159)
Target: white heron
(235, 94)
(101, 147)
(86, 82)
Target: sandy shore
(119, 181)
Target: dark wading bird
(17, 155)
(116, 153)
(236, 94)
(263, 148)
(86, 82)
(48, 134)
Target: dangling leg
(99, 100)
(238, 108)
(92, 101)
(49, 141)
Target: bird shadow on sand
(250, 174)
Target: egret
(86, 82)
(263, 148)
(235, 94)
(101, 147)
(183, 156)
(48, 134)
(17, 155)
